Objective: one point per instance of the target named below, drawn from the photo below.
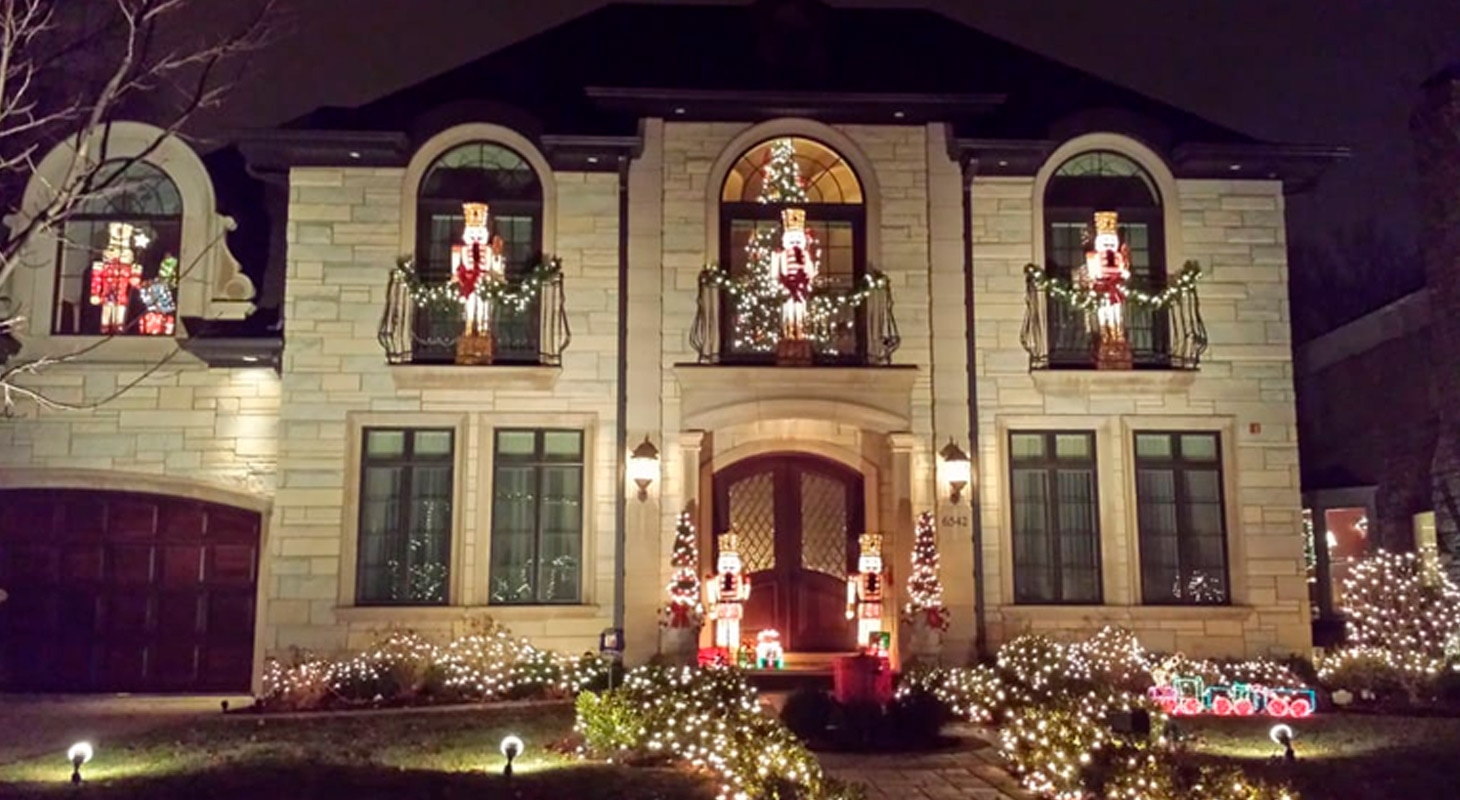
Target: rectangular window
(537, 517)
(1182, 527)
(405, 517)
(1056, 517)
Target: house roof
(597, 74)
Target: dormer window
(118, 255)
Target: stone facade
(296, 438)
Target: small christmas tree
(684, 609)
(925, 590)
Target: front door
(798, 518)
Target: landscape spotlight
(511, 749)
(1283, 735)
(79, 754)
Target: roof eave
(718, 104)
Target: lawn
(1341, 756)
(433, 754)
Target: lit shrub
(914, 720)
(1116, 658)
(1393, 602)
(1044, 667)
(974, 694)
(1381, 674)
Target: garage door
(120, 592)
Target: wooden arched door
(798, 518)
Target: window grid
(1056, 528)
(537, 517)
(1181, 518)
(406, 487)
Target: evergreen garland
(444, 295)
(1087, 299)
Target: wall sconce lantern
(957, 470)
(644, 466)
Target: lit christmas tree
(684, 609)
(925, 590)
(758, 310)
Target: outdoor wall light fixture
(1283, 735)
(957, 470)
(79, 754)
(644, 466)
(511, 749)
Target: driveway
(32, 725)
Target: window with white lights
(1056, 517)
(789, 172)
(498, 176)
(406, 485)
(537, 517)
(118, 255)
(1099, 181)
(1181, 518)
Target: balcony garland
(822, 303)
(1087, 299)
(517, 293)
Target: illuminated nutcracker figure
(864, 589)
(1107, 273)
(114, 277)
(729, 588)
(475, 262)
(794, 268)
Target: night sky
(1342, 72)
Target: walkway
(968, 771)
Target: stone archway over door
(125, 592)
(798, 518)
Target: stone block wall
(343, 237)
(1243, 391)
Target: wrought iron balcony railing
(1162, 323)
(425, 323)
(848, 325)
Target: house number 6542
(955, 522)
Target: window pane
(380, 534)
(559, 444)
(1027, 445)
(1033, 556)
(1079, 538)
(385, 444)
(1072, 446)
(433, 443)
(514, 511)
(516, 443)
(1199, 447)
(1153, 445)
(1160, 558)
(562, 536)
(425, 566)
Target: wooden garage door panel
(125, 592)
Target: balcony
(850, 322)
(424, 324)
(1162, 322)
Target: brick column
(1436, 129)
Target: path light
(1283, 735)
(79, 754)
(511, 749)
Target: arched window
(1101, 180)
(119, 267)
(780, 173)
(479, 172)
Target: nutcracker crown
(871, 543)
(729, 542)
(793, 219)
(475, 213)
(1106, 222)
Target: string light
(924, 589)
(685, 608)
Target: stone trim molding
(716, 397)
(432, 148)
(1148, 159)
(121, 481)
(810, 129)
(1119, 383)
(498, 376)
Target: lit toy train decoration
(1190, 697)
